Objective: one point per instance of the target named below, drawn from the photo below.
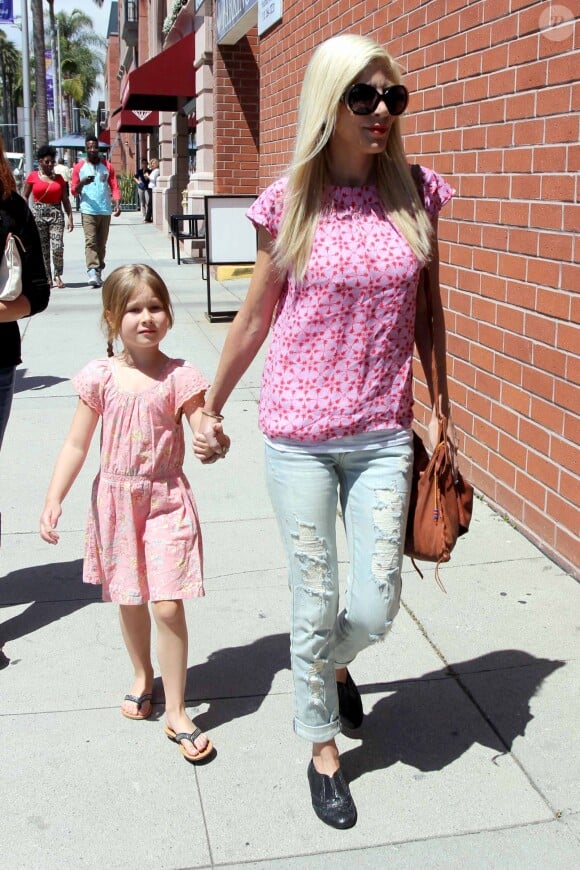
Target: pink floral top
(339, 361)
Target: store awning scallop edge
(134, 120)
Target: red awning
(160, 82)
(135, 120)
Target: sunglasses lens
(362, 99)
(397, 99)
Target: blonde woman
(153, 176)
(341, 242)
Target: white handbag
(11, 269)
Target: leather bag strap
(425, 285)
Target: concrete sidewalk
(468, 756)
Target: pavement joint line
(53, 601)
(385, 845)
(255, 519)
(203, 816)
(381, 687)
(469, 695)
(190, 702)
(506, 561)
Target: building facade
(494, 108)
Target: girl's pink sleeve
(437, 191)
(266, 211)
(189, 382)
(89, 384)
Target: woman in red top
(50, 194)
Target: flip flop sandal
(139, 700)
(177, 738)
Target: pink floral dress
(143, 539)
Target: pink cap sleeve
(189, 382)
(266, 211)
(437, 191)
(90, 382)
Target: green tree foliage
(10, 89)
(82, 60)
(82, 35)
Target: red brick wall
(112, 98)
(143, 36)
(494, 108)
(236, 116)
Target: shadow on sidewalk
(425, 724)
(234, 680)
(49, 589)
(38, 382)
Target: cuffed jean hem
(317, 733)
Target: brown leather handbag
(440, 507)
(441, 502)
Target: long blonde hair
(334, 66)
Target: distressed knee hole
(387, 519)
(312, 553)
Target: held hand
(48, 523)
(223, 440)
(210, 442)
(201, 448)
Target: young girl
(143, 541)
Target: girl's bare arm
(68, 465)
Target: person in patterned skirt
(50, 196)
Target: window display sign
(269, 14)
(233, 19)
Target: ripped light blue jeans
(373, 487)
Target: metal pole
(27, 117)
(57, 80)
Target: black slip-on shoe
(331, 798)
(349, 703)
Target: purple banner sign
(6, 11)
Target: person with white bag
(22, 273)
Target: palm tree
(40, 71)
(11, 77)
(39, 52)
(81, 62)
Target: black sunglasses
(363, 99)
